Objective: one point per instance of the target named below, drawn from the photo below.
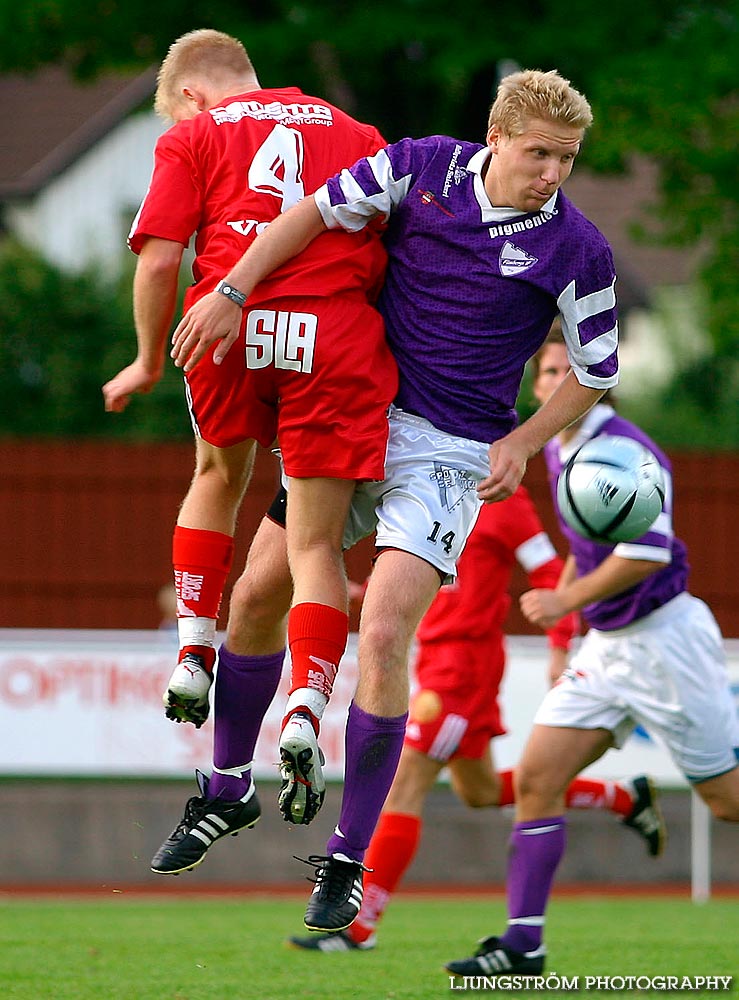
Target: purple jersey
(471, 290)
(659, 543)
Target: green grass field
(200, 948)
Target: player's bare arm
(154, 303)
(508, 457)
(614, 575)
(216, 317)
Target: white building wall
(82, 217)
(655, 344)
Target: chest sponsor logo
(429, 198)
(454, 174)
(513, 260)
(521, 225)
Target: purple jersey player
(668, 578)
(484, 251)
(471, 288)
(653, 657)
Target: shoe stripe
(494, 961)
(217, 820)
(334, 943)
(208, 828)
(202, 836)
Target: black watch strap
(231, 293)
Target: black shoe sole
(186, 710)
(299, 768)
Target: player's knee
(230, 478)
(256, 608)
(725, 809)
(529, 783)
(380, 643)
(479, 797)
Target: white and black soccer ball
(611, 490)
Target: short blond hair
(203, 52)
(533, 93)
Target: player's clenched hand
(213, 318)
(507, 466)
(134, 378)
(542, 607)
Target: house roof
(49, 119)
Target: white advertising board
(89, 703)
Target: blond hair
(533, 93)
(203, 52)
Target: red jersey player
(313, 368)
(455, 712)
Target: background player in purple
(484, 251)
(653, 657)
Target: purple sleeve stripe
(605, 369)
(365, 177)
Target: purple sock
(535, 849)
(373, 744)
(244, 689)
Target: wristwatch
(231, 293)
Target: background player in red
(454, 713)
(312, 367)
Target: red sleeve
(171, 208)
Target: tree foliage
(661, 77)
(61, 338)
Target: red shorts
(454, 711)
(315, 374)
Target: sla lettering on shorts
(284, 339)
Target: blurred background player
(312, 368)
(653, 656)
(454, 713)
(464, 309)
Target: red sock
(390, 853)
(202, 561)
(507, 797)
(590, 793)
(582, 793)
(316, 635)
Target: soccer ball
(611, 490)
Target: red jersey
(461, 648)
(312, 366)
(476, 605)
(228, 172)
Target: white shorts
(667, 673)
(427, 504)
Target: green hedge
(61, 338)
